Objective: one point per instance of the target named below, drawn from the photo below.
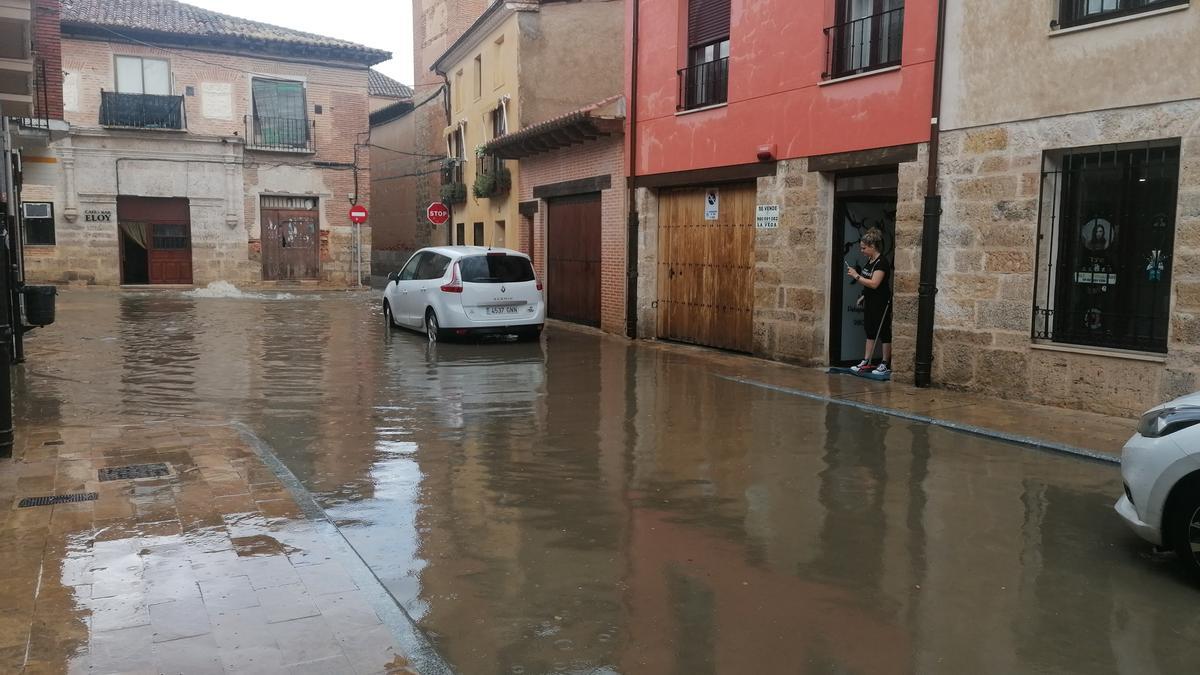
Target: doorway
(155, 240)
(861, 201)
(573, 259)
(290, 239)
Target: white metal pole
(358, 249)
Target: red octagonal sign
(358, 214)
(437, 213)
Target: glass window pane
(129, 75)
(496, 269)
(156, 77)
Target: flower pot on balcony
(454, 193)
(503, 180)
(485, 185)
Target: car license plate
(502, 310)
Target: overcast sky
(386, 25)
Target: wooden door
(291, 246)
(170, 254)
(573, 259)
(706, 267)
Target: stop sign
(437, 213)
(358, 214)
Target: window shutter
(708, 21)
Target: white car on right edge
(1160, 466)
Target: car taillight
(455, 284)
(539, 284)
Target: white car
(466, 290)
(1161, 469)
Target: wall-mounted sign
(712, 204)
(766, 216)
(97, 216)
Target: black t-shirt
(880, 295)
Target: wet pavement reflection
(587, 505)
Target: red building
(766, 136)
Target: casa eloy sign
(766, 216)
(97, 216)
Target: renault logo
(503, 289)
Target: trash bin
(39, 305)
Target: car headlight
(1159, 423)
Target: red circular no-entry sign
(358, 214)
(437, 213)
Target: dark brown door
(573, 259)
(170, 254)
(706, 266)
(290, 245)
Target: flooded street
(589, 505)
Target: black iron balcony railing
(704, 84)
(1114, 330)
(1078, 12)
(142, 111)
(281, 133)
(865, 44)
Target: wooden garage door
(706, 267)
(291, 239)
(573, 259)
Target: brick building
(203, 147)
(1067, 269)
(573, 208)
(396, 168)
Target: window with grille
(1106, 245)
(39, 223)
(705, 80)
(1077, 12)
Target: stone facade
(208, 163)
(597, 158)
(992, 181)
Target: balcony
(454, 188)
(862, 45)
(704, 84)
(142, 111)
(281, 134)
(492, 177)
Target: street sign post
(358, 214)
(437, 213)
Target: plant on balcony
(503, 180)
(454, 193)
(485, 185)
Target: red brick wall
(47, 48)
(598, 158)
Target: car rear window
(495, 269)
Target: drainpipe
(631, 244)
(8, 220)
(931, 227)
(450, 202)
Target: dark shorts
(878, 322)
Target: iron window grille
(281, 133)
(704, 84)
(1105, 244)
(142, 111)
(1079, 12)
(864, 44)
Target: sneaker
(883, 369)
(863, 366)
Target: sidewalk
(1073, 432)
(213, 567)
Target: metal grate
(133, 471)
(54, 443)
(57, 499)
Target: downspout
(931, 227)
(438, 197)
(631, 243)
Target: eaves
(490, 20)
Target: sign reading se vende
(437, 213)
(358, 214)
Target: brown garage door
(706, 267)
(291, 242)
(573, 259)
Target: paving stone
(179, 619)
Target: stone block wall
(991, 180)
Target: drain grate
(57, 499)
(53, 443)
(133, 471)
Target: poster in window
(1097, 235)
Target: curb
(1027, 441)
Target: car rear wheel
(432, 329)
(1185, 531)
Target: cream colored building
(1070, 169)
(518, 64)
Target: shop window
(1078, 12)
(39, 223)
(1105, 246)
